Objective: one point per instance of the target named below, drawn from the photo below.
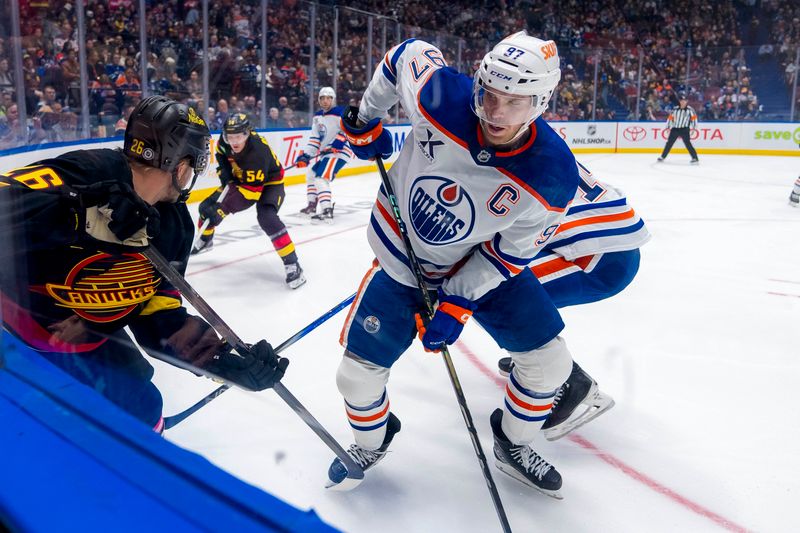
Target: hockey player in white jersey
(483, 184)
(593, 255)
(327, 141)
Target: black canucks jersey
(52, 270)
(255, 167)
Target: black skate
(203, 246)
(577, 402)
(366, 459)
(694, 162)
(794, 199)
(326, 216)
(522, 463)
(309, 210)
(294, 275)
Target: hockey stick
(451, 370)
(355, 474)
(324, 152)
(208, 220)
(174, 420)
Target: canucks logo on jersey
(441, 210)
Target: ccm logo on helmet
(549, 50)
(500, 75)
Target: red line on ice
(610, 459)
(783, 294)
(240, 259)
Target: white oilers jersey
(598, 221)
(475, 216)
(326, 134)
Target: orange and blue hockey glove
(302, 160)
(366, 140)
(447, 322)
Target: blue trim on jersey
(528, 392)
(369, 428)
(369, 407)
(388, 73)
(398, 53)
(548, 166)
(400, 256)
(519, 261)
(495, 263)
(336, 110)
(600, 233)
(586, 207)
(523, 417)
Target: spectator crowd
(621, 59)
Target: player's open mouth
(495, 130)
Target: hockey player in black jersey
(248, 167)
(73, 275)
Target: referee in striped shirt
(680, 122)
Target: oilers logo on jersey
(441, 210)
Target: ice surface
(701, 354)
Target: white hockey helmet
(519, 65)
(327, 91)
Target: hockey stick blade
(204, 227)
(211, 316)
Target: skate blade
(318, 222)
(346, 485)
(511, 471)
(599, 404)
(297, 283)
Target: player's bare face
(326, 102)
(503, 116)
(237, 141)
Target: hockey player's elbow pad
(366, 140)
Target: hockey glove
(366, 140)
(255, 370)
(302, 160)
(212, 211)
(195, 342)
(447, 322)
(115, 213)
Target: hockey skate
(366, 459)
(203, 246)
(309, 210)
(522, 463)
(660, 159)
(326, 216)
(294, 275)
(577, 402)
(794, 199)
(694, 162)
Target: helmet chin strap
(183, 194)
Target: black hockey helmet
(161, 132)
(236, 123)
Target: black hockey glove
(258, 369)
(125, 211)
(212, 211)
